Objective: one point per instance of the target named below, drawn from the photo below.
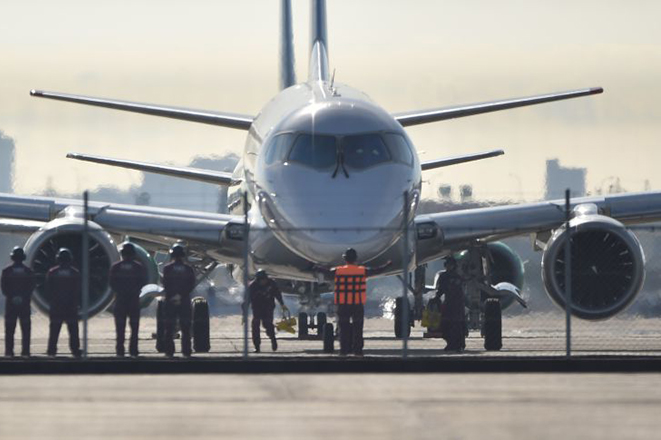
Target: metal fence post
(246, 278)
(86, 271)
(405, 277)
(568, 274)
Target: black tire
(200, 324)
(321, 323)
(302, 325)
(328, 335)
(160, 325)
(399, 309)
(493, 325)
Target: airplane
(324, 169)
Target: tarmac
(609, 388)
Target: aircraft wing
(445, 232)
(417, 117)
(218, 235)
(240, 122)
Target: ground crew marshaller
(453, 321)
(350, 299)
(17, 284)
(263, 293)
(63, 288)
(178, 284)
(127, 277)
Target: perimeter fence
(614, 279)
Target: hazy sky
(222, 55)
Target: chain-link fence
(615, 303)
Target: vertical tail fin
(319, 70)
(287, 64)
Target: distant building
(445, 191)
(559, 178)
(7, 151)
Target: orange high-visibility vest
(350, 285)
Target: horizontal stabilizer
(431, 164)
(441, 114)
(207, 176)
(240, 122)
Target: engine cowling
(506, 267)
(42, 246)
(607, 267)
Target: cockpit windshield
(326, 152)
(364, 151)
(319, 152)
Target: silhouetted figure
(127, 277)
(63, 287)
(453, 321)
(263, 293)
(17, 283)
(178, 284)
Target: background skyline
(224, 56)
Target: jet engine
(506, 267)
(41, 249)
(607, 266)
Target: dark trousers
(351, 318)
(265, 316)
(127, 309)
(181, 313)
(15, 313)
(53, 336)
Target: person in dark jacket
(178, 284)
(63, 288)
(17, 284)
(453, 322)
(127, 277)
(263, 293)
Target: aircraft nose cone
(320, 223)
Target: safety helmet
(17, 254)
(127, 250)
(261, 274)
(350, 255)
(177, 251)
(64, 255)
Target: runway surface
(326, 406)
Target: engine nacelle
(506, 267)
(41, 249)
(607, 266)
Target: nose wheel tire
(328, 335)
(200, 324)
(322, 319)
(493, 325)
(302, 325)
(160, 325)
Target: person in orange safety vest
(350, 299)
